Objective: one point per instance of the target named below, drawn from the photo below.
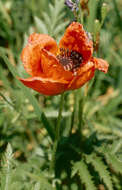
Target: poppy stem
(74, 114)
(57, 135)
(80, 116)
(81, 107)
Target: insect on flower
(56, 69)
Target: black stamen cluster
(76, 58)
(69, 59)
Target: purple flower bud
(71, 5)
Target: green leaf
(114, 162)
(52, 20)
(4, 79)
(45, 185)
(116, 146)
(46, 18)
(86, 178)
(40, 25)
(37, 186)
(6, 168)
(8, 153)
(116, 182)
(59, 28)
(101, 168)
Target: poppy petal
(52, 68)
(100, 64)
(75, 38)
(85, 73)
(31, 54)
(45, 41)
(45, 86)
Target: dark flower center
(70, 59)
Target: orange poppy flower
(56, 69)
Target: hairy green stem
(75, 110)
(57, 135)
(80, 115)
(80, 111)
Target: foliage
(89, 154)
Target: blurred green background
(20, 124)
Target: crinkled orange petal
(100, 64)
(45, 86)
(45, 41)
(75, 38)
(31, 54)
(85, 73)
(52, 68)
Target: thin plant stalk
(5, 99)
(75, 110)
(57, 135)
(80, 113)
(81, 14)
(82, 100)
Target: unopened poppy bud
(96, 26)
(104, 12)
